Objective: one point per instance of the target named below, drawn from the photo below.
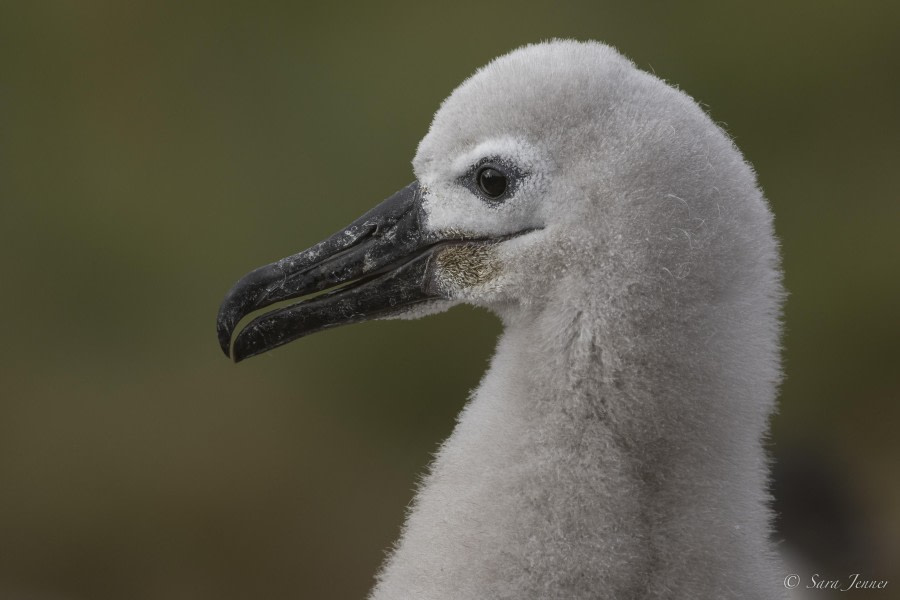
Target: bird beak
(378, 266)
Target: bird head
(559, 166)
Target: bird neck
(587, 465)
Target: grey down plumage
(614, 447)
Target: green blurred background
(153, 152)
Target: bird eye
(491, 182)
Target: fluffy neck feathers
(591, 465)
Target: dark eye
(491, 182)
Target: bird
(615, 446)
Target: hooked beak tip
(244, 297)
(224, 333)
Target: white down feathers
(613, 449)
